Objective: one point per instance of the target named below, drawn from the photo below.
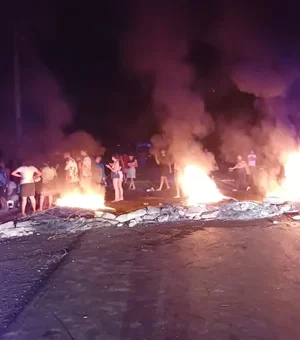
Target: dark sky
(82, 44)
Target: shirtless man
(242, 171)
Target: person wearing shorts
(131, 172)
(27, 185)
(163, 161)
(117, 178)
(49, 175)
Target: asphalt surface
(174, 281)
(25, 265)
(228, 281)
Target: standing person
(252, 165)
(251, 159)
(165, 168)
(27, 173)
(79, 165)
(242, 171)
(124, 164)
(86, 172)
(49, 175)
(99, 175)
(38, 188)
(12, 193)
(131, 171)
(117, 178)
(71, 172)
(4, 180)
(177, 174)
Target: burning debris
(88, 201)
(199, 187)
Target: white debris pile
(70, 220)
(11, 229)
(245, 211)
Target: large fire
(289, 190)
(84, 201)
(198, 187)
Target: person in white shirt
(251, 159)
(27, 173)
(71, 171)
(252, 165)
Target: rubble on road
(71, 220)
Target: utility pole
(17, 94)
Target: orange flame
(198, 187)
(289, 190)
(84, 201)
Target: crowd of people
(38, 185)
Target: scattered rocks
(244, 211)
(274, 200)
(285, 208)
(150, 217)
(132, 223)
(131, 215)
(108, 216)
(163, 218)
(71, 220)
(107, 221)
(123, 218)
(195, 212)
(153, 211)
(210, 215)
(23, 228)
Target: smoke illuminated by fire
(198, 187)
(84, 201)
(289, 190)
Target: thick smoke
(47, 112)
(255, 53)
(158, 45)
(258, 65)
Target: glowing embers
(198, 187)
(83, 201)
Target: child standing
(131, 171)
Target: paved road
(25, 265)
(210, 281)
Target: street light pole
(17, 94)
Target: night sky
(84, 46)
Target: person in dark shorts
(165, 167)
(49, 175)
(117, 178)
(27, 173)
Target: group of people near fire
(75, 174)
(88, 174)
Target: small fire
(84, 201)
(289, 190)
(198, 187)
